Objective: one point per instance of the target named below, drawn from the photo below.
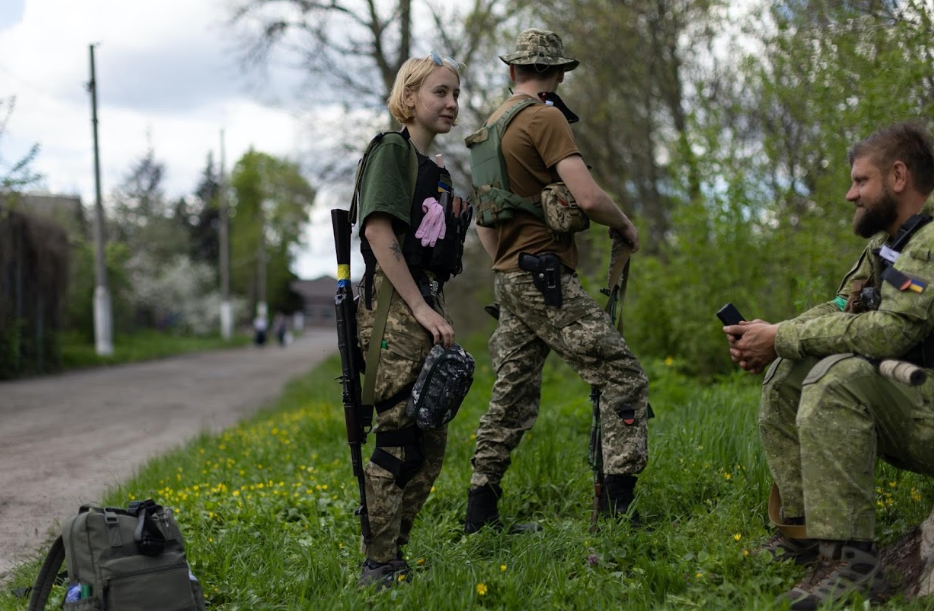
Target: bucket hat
(540, 48)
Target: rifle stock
(355, 417)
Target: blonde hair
(411, 76)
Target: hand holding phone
(729, 315)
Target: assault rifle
(357, 418)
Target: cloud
(168, 76)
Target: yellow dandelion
(668, 361)
(893, 484)
(420, 562)
(745, 552)
(502, 568)
(727, 476)
(402, 577)
(699, 575)
(482, 589)
(737, 537)
(236, 493)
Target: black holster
(546, 275)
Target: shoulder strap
(361, 167)
(908, 229)
(47, 575)
(510, 114)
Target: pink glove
(431, 229)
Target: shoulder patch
(903, 282)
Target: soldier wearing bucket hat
(536, 47)
(525, 146)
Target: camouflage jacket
(904, 318)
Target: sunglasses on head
(440, 60)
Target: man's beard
(877, 215)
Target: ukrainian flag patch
(903, 282)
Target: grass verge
(267, 509)
(144, 345)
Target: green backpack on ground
(129, 559)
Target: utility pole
(226, 313)
(103, 320)
(262, 310)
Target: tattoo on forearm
(396, 250)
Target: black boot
(619, 491)
(481, 511)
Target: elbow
(369, 232)
(590, 202)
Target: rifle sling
(376, 340)
(618, 276)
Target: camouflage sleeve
(861, 270)
(902, 321)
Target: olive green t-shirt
(534, 142)
(386, 185)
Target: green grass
(143, 345)
(267, 509)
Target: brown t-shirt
(534, 142)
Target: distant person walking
(279, 328)
(259, 329)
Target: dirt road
(64, 440)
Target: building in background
(318, 297)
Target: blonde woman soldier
(408, 240)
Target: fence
(33, 280)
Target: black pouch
(448, 253)
(546, 275)
(441, 387)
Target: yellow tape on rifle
(343, 271)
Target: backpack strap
(361, 168)
(47, 575)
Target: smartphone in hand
(729, 315)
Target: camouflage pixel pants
(581, 333)
(823, 423)
(406, 344)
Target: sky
(168, 76)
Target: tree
(271, 204)
(18, 174)
(203, 219)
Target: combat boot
(783, 548)
(481, 511)
(383, 574)
(617, 496)
(844, 568)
